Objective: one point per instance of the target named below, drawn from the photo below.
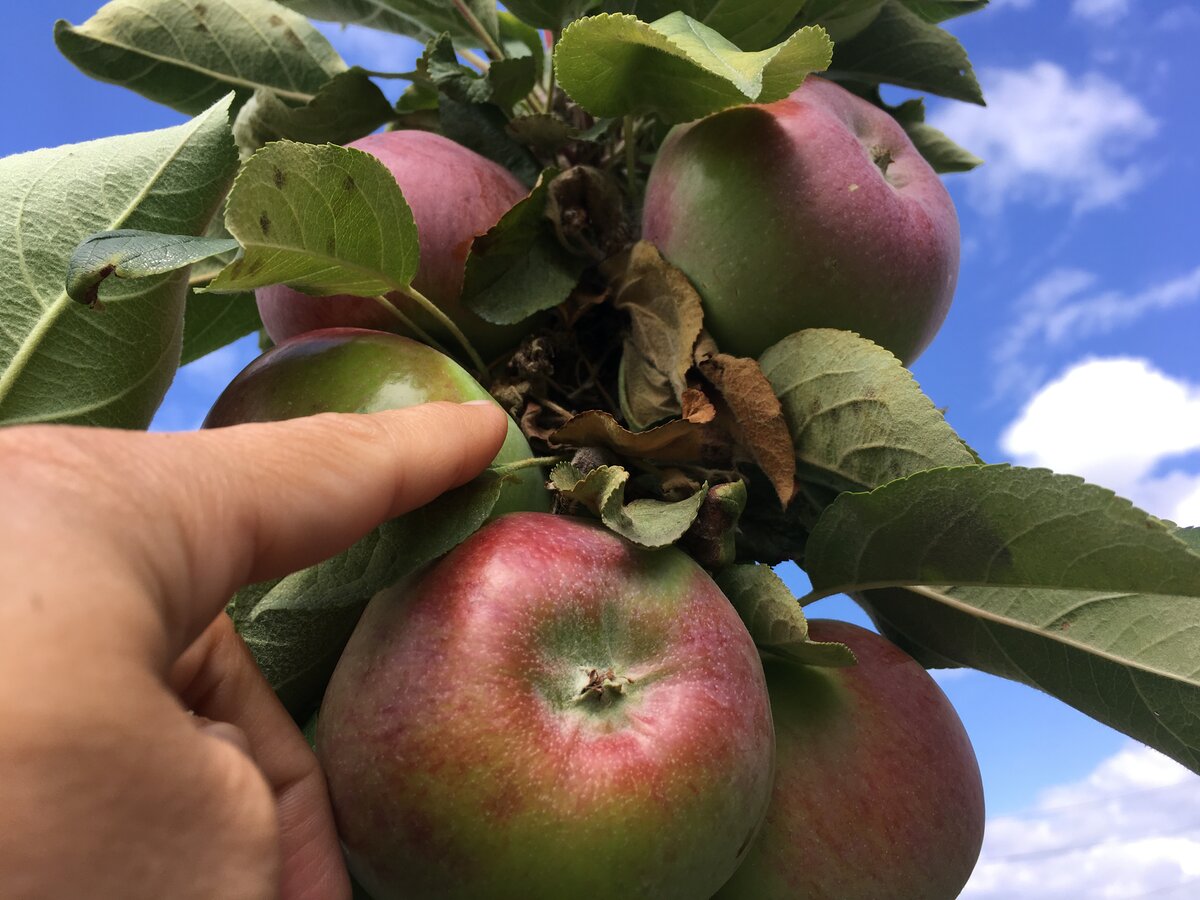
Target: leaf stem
(408, 323)
(446, 322)
(475, 59)
(494, 50)
(531, 463)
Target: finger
(193, 517)
(218, 680)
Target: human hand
(118, 552)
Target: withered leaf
(758, 418)
(678, 441)
(665, 320)
(711, 540)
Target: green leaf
(519, 268)
(940, 10)
(857, 417)
(129, 253)
(843, 19)
(549, 14)
(519, 40)
(421, 19)
(750, 24)
(60, 361)
(774, 617)
(347, 107)
(899, 47)
(678, 68)
(327, 220)
(650, 523)
(990, 526)
(1126, 659)
(506, 80)
(212, 321)
(297, 626)
(187, 55)
(483, 127)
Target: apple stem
(446, 322)
(416, 330)
(494, 50)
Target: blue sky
(1072, 344)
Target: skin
(144, 756)
(877, 791)
(468, 757)
(813, 212)
(455, 195)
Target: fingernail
(478, 403)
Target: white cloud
(1130, 828)
(1067, 306)
(1051, 138)
(1116, 422)
(1100, 12)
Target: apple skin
(455, 195)
(877, 790)
(783, 220)
(355, 370)
(464, 762)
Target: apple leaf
(680, 69)
(665, 319)
(758, 420)
(297, 626)
(483, 127)
(940, 10)
(996, 526)
(650, 523)
(505, 82)
(679, 441)
(899, 47)
(211, 321)
(1126, 659)
(59, 360)
(327, 220)
(856, 416)
(347, 107)
(750, 24)
(774, 617)
(422, 19)
(843, 19)
(519, 267)
(129, 253)
(549, 14)
(189, 55)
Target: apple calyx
(602, 687)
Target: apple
(813, 212)
(356, 370)
(549, 712)
(877, 790)
(455, 195)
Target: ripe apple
(813, 212)
(357, 370)
(877, 791)
(549, 712)
(455, 195)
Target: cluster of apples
(550, 711)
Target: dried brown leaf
(758, 418)
(679, 441)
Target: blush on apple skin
(813, 212)
(549, 712)
(877, 789)
(455, 195)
